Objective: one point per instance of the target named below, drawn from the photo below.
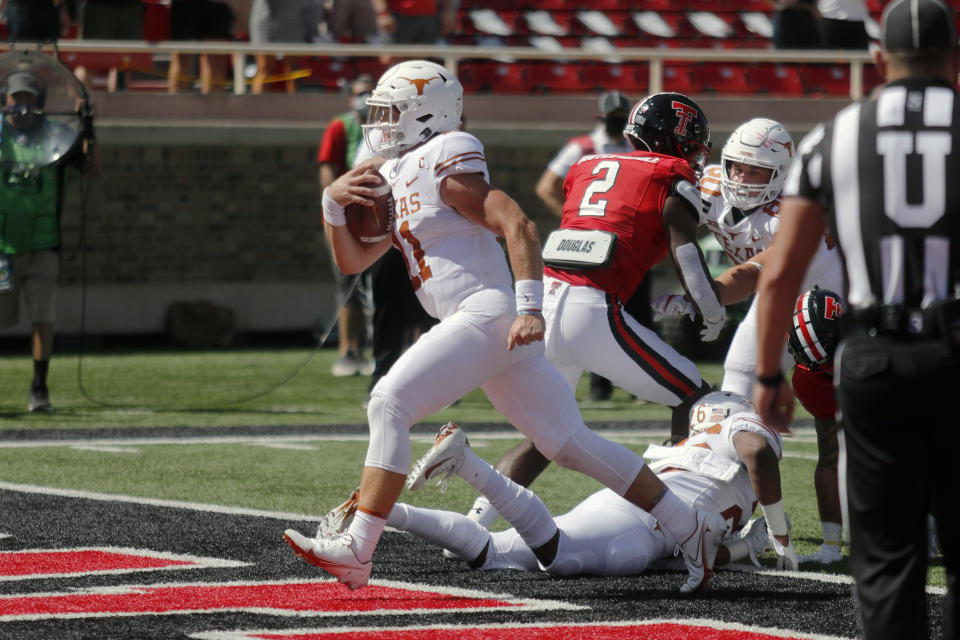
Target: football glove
(671, 304)
(786, 555)
(712, 328)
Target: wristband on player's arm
(333, 213)
(529, 296)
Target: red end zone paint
(707, 630)
(278, 598)
(52, 563)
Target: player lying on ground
(728, 461)
(812, 342)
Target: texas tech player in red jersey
(622, 214)
(647, 200)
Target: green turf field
(286, 387)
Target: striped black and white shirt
(887, 174)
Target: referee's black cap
(912, 25)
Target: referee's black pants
(900, 413)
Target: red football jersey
(814, 390)
(623, 193)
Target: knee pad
(611, 464)
(389, 446)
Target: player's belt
(579, 248)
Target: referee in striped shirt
(883, 177)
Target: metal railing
(453, 55)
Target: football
(372, 224)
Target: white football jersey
(449, 257)
(735, 499)
(745, 238)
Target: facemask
(25, 117)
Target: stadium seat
(632, 78)
(599, 23)
(545, 23)
(721, 77)
(775, 79)
(758, 23)
(544, 77)
(826, 79)
(711, 24)
(663, 25)
(677, 77)
(489, 21)
(482, 76)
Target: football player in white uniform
(448, 220)
(741, 204)
(729, 462)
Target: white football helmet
(713, 408)
(763, 143)
(412, 101)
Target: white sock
(450, 530)
(675, 516)
(832, 534)
(483, 513)
(365, 530)
(518, 505)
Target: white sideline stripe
(250, 634)
(155, 502)
(830, 578)
(197, 562)
(104, 448)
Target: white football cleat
(827, 554)
(340, 517)
(443, 459)
(700, 550)
(334, 554)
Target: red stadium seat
(721, 77)
(553, 77)
(826, 79)
(482, 76)
(677, 77)
(775, 79)
(631, 78)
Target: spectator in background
(353, 20)
(275, 21)
(35, 19)
(842, 24)
(110, 20)
(414, 21)
(199, 20)
(31, 199)
(340, 146)
(606, 137)
(796, 24)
